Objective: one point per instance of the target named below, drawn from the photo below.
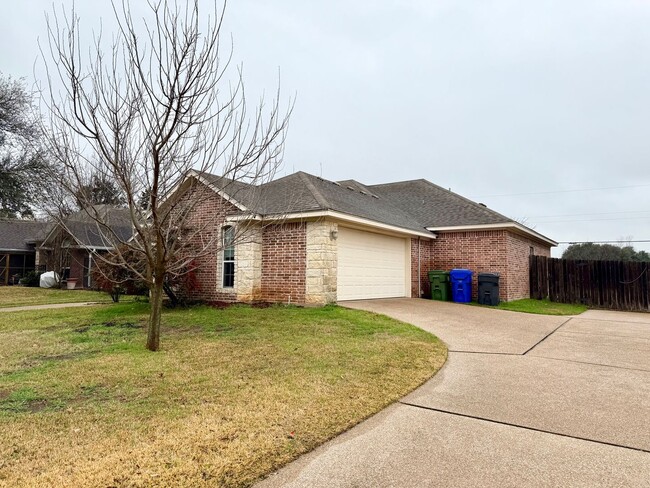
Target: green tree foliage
(101, 189)
(23, 168)
(604, 252)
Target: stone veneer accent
(248, 264)
(322, 260)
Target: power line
(562, 191)
(589, 220)
(586, 214)
(604, 242)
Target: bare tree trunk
(155, 314)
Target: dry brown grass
(234, 395)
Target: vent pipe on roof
(482, 204)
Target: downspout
(90, 265)
(419, 280)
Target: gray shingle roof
(88, 233)
(435, 206)
(302, 192)
(18, 234)
(412, 205)
(84, 228)
(244, 193)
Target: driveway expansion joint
(548, 335)
(590, 363)
(486, 352)
(518, 426)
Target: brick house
(306, 240)
(70, 246)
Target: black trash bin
(488, 288)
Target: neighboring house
(313, 241)
(18, 241)
(71, 245)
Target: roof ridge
(397, 182)
(476, 204)
(318, 196)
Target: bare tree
(145, 113)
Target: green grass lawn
(544, 307)
(233, 394)
(19, 296)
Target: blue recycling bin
(461, 285)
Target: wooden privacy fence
(616, 285)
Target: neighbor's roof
(83, 227)
(17, 235)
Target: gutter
(333, 214)
(419, 278)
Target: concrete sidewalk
(524, 400)
(53, 305)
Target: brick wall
(284, 262)
(479, 251)
(425, 255)
(270, 263)
(211, 213)
(493, 251)
(78, 258)
(519, 250)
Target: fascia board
(333, 215)
(505, 225)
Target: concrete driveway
(524, 400)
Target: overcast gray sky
(533, 100)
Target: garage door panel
(370, 265)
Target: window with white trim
(228, 266)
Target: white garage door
(370, 265)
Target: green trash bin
(439, 285)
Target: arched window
(228, 236)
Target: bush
(116, 280)
(32, 279)
(182, 289)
